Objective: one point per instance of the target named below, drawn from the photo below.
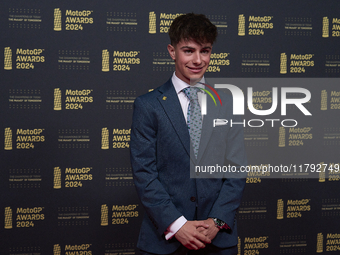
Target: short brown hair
(192, 26)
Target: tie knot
(191, 92)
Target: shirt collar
(180, 85)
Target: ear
(171, 50)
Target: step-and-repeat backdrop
(70, 72)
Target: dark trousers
(208, 250)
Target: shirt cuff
(174, 227)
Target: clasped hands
(195, 235)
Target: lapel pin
(164, 98)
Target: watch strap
(220, 224)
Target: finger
(197, 244)
(201, 224)
(203, 231)
(191, 247)
(203, 238)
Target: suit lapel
(170, 102)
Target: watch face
(218, 223)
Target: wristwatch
(220, 224)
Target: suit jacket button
(193, 199)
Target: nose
(197, 58)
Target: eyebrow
(192, 48)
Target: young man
(183, 214)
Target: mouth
(195, 69)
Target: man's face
(191, 59)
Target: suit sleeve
(229, 199)
(156, 201)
